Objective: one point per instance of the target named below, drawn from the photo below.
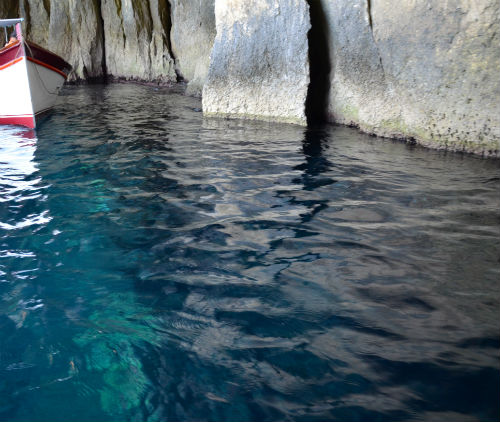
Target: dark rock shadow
(319, 65)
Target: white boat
(30, 78)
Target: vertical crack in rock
(319, 65)
(166, 20)
(101, 23)
(9, 9)
(369, 10)
(118, 5)
(46, 6)
(370, 23)
(147, 17)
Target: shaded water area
(155, 265)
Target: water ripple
(180, 268)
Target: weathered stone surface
(192, 37)
(37, 20)
(71, 29)
(422, 70)
(9, 9)
(75, 33)
(136, 40)
(259, 65)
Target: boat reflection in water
(19, 181)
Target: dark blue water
(157, 266)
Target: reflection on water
(155, 265)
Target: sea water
(156, 266)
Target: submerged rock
(259, 65)
(192, 37)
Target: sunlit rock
(259, 62)
(192, 37)
(136, 40)
(72, 30)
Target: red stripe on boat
(26, 120)
(48, 66)
(13, 62)
(40, 54)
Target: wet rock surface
(427, 71)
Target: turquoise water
(156, 266)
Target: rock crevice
(320, 65)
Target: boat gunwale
(8, 47)
(47, 66)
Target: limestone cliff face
(418, 70)
(8, 9)
(74, 33)
(426, 71)
(192, 37)
(422, 70)
(258, 65)
(136, 40)
(122, 39)
(71, 29)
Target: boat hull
(30, 81)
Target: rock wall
(259, 65)
(192, 37)
(136, 40)
(426, 71)
(71, 29)
(8, 10)
(119, 39)
(421, 70)
(74, 33)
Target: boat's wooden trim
(47, 57)
(13, 62)
(8, 47)
(10, 53)
(48, 66)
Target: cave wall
(192, 36)
(417, 70)
(259, 65)
(421, 71)
(136, 40)
(8, 10)
(424, 71)
(113, 39)
(71, 29)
